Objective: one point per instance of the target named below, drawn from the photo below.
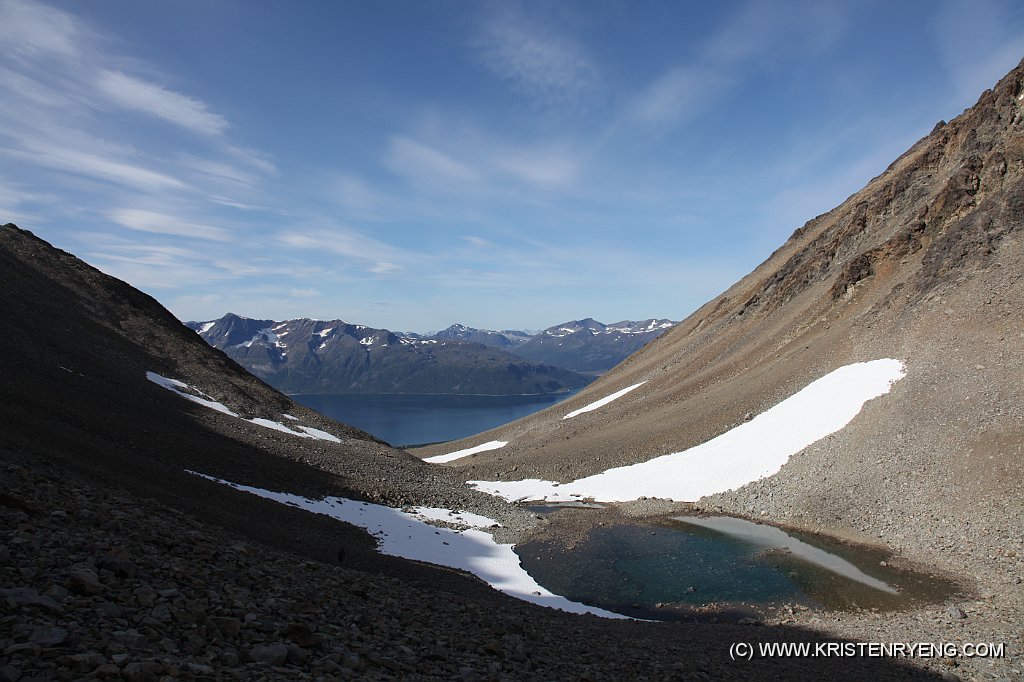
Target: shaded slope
(74, 387)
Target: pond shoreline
(568, 529)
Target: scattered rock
(83, 581)
(49, 636)
(116, 565)
(18, 597)
(274, 654)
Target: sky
(409, 165)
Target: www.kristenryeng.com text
(746, 651)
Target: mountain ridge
(324, 360)
(334, 356)
(590, 346)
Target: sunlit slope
(922, 265)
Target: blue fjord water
(403, 420)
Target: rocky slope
(117, 564)
(331, 357)
(924, 264)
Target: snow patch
(402, 534)
(320, 435)
(457, 517)
(177, 386)
(323, 333)
(207, 326)
(459, 454)
(303, 432)
(603, 401)
(747, 453)
(276, 426)
(288, 416)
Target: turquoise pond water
(718, 568)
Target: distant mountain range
(586, 345)
(314, 356)
(589, 346)
(506, 339)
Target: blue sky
(501, 164)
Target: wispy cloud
(59, 82)
(759, 35)
(536, 61)
(218, 171)
(132, 93)
(28, 28)
(370, 254)
(677, 94)
(89, 163)
(162, 223)
(426, 165)
(765, 29)
(551, 169)
(159, 266)
(477, 242)
(16, 202)
(355, 194)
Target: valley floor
(96, 582)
